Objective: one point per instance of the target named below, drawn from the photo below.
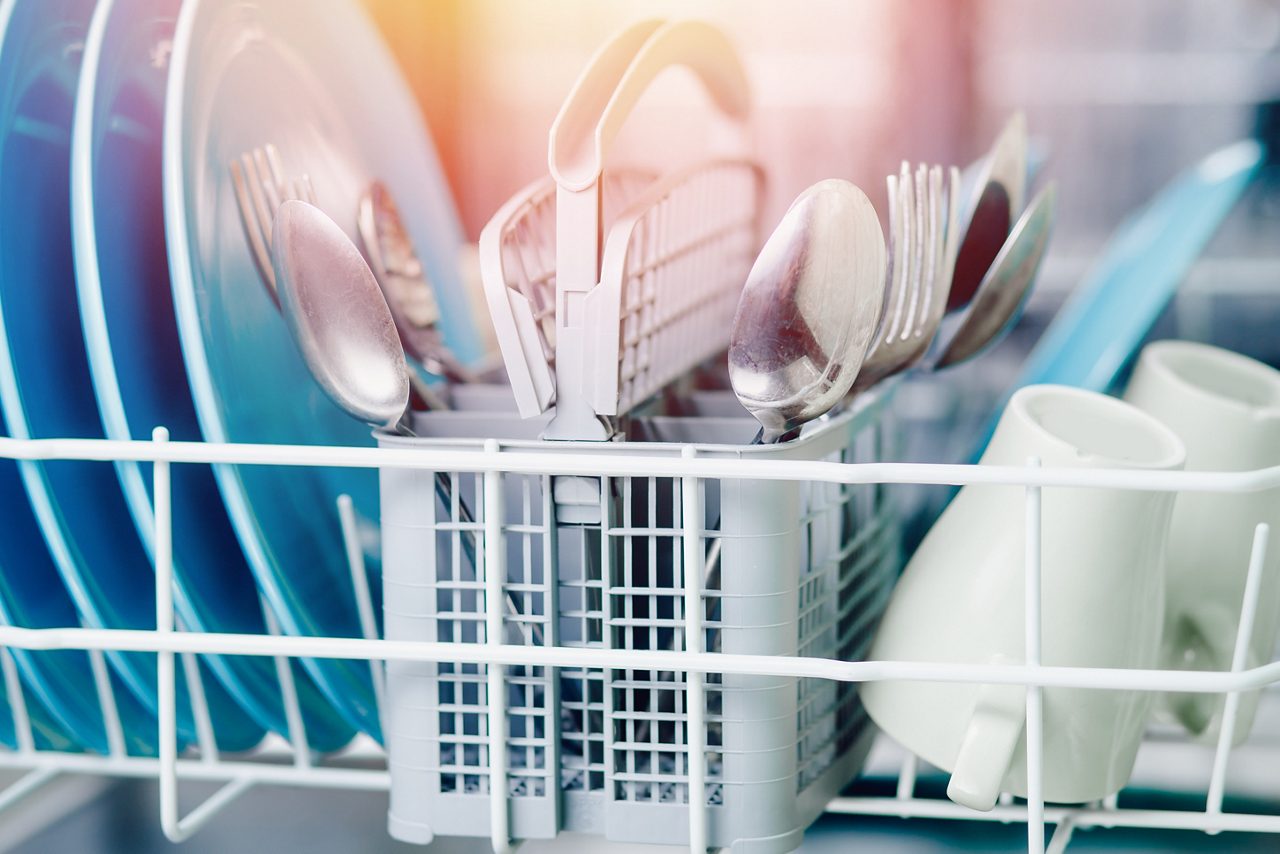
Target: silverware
(1004, 289)
(260, 188)
(338, 317)
(403, 280)
(344, 328)
(922, 244)
(996, 201)
(809, 308)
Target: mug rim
(1159, 357)
(1170, 454)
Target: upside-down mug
(1226, 409)
(960, 600)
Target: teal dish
(321, 87)
(135, 357)
(1099, 329)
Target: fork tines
(260, 187)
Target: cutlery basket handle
(590, 119)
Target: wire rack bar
(585, 463)
(1035, 695)
(1047, 676)
(1240, 656)
(1080, 817)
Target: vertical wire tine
(1062, 836)
(166, 683)
(199, 708)
(17, 703)
(1035, 694)
(107, 703)
(364, 600)
(1239, 661)
(294, 722)
(907, 777)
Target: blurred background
(1121, 95)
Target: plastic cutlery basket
(805, 569)
(604, 288)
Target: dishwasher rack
(293, 765)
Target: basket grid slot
(582, 713)
(648, 714)
(696, 233)
(462, 693)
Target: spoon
(343, 326)
(339, 317)
(809, 309)
(1004, 289)
(999, 192)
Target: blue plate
(1100, 327)
(126, 308)
(323, 89)
(62, 698)
(45, 387)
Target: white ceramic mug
(1226, 409)
(960, 600)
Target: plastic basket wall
(805, 569)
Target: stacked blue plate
(138, 305)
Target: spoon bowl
(339, 317)
(998, 194)
(809, 308)
(1003, 292)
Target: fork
(921, 252)
(260, 189)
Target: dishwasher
(327, 527)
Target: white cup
(1226, 409)
(960, 600)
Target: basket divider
(494, 576)
(691, 523)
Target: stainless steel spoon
(809, 309)
(339, 318)
(1004, 289)
(999, 192)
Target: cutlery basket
(806, 569)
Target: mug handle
(989, 742)
(1203, 640)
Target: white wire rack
(294, 766)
